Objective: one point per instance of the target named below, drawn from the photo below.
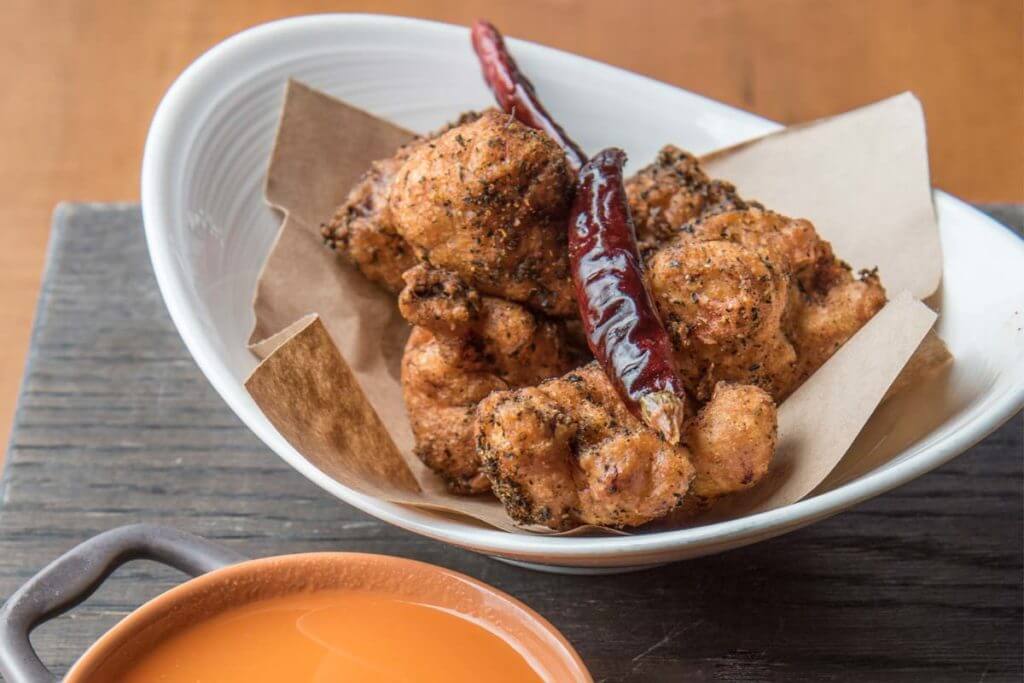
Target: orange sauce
(330, 636)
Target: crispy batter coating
(723, 306)
(567, 452)
(754, 297)
(672, 191)
(464, 346)
(361, 228)
(724, 311)
(439, 301)
(826, 321)
(440, 397)
(488, 201)
(789, 244)
(732, 440)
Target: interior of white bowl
(209, 232)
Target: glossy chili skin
(514, 92)
(621, 322)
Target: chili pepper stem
(664, 412)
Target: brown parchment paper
(330, 383)
(311, 395)
(870, 194)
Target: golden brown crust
(567, 452)
(488, 201)
(441, 397)
(732, 440)
(723, 306)
(754, 297)
(463, 347)
(670, 192)
(361, 228)
(790, 244)
(826, 321)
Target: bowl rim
(283, 565)
(172, 117)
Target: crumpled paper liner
(330, 382)
(868, 193)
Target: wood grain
(117, 425)
(81, 79)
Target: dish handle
(75, 575)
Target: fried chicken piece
(439, 301)
(755, 297)
(790, 244)
(464, 346)
(723, 306)
(827, 320)
(488, 201)
(567, 452)
(440, 398)
(361, 228)
(736, 313)
(672, 191)
(732, 440)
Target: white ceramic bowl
(209, 230)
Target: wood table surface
(116, 425)
(81, 78)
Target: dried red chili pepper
(514, 91)
(621, 323)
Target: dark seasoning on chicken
(471, 226)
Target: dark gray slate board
(117, 425)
